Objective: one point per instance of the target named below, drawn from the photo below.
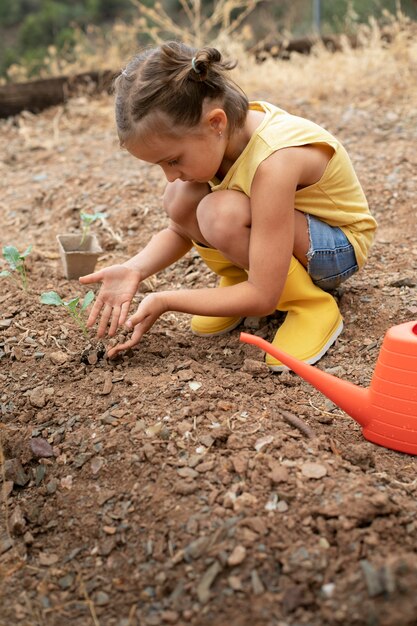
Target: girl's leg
(313, 320)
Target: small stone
(255, 368)
(58, 357)
(313, 470)
(240, 463)
(107, 384)
(187, 472)
(37, 397)
(41, 448)
(170, 617)
(279, 473)
(101, 598)
(185, 488)
(96, 464)
(5, 543)
(262, 442)
(237, 556)
(257, 584)
(17, 522)
(235, 583)
(14, 471)
(282, 506)
(209, 576)
(48, 559)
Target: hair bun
(202, 60)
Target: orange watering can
(387, 410)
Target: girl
(270, 201)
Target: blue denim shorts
(331, 257)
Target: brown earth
(168, 486)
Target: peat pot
(78, 259)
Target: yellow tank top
(337, 198)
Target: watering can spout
(354, 400)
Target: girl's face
(194, 156)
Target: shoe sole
(315, 358)
(220, 332)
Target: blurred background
(53, 37)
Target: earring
(220, 133)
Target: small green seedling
(16, 263)
(73, 306)
(86, 220)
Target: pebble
(237, 556)
(58, 357)
(235, 583)
(14, 471)
(101, 598)
(170, 617)
(185, 488)
(37, 398)
(279, 473)
(262, 442)
(257, 584)
(41, 448)
(313, 470)
(17, 522)
(208, 578)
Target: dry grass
(376, 70)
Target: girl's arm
(270, 250)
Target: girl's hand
(120, 283)
(148, 312)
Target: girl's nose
(171, 174)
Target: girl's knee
(221, 214)
(182, 197)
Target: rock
(313, 470)
(170, 617)
(198, 547)
(240, 463)
(38, 398)
(262, 442)
(14, 471)
(101, 598)
(5, 543)
(17, 522)
(7, 488)
(187, 472)
(237, 556)
(58, 357)
(257, 584)
(107, 384)
(279, 473)
(256, 368)
(185, 488)
(209, 576)
(41, 448)
(373, 579)
(235, 583)
(48, 559)
(244, 501)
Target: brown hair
(176, 79)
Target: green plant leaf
(88, 298)
(51, 297)
(89, 218)
(72, 304)
(26, 252)
(4, 273)
(12, 256)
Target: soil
(172, 485)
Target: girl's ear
(216, 120)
